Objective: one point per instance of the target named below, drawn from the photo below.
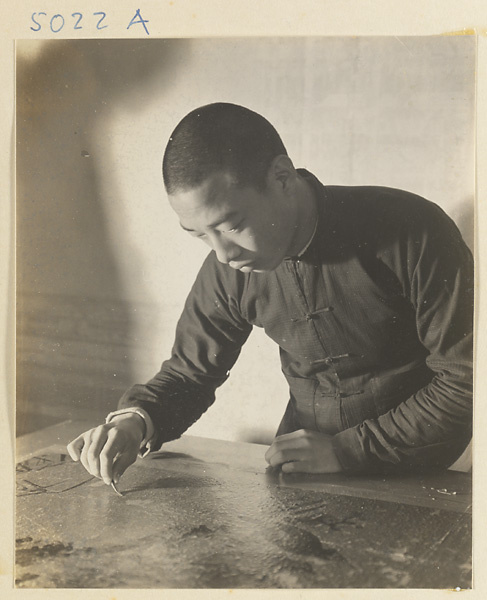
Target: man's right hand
(107, 450)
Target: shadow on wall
(74, 329)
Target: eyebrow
(221, 220)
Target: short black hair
(220, 137)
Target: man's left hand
(303, 451)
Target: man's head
(231, 183)
(220, 138)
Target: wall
(103, 267)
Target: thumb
(121, 464)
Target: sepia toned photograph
(245, 297)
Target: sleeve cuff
(146, 445)
(348, 450)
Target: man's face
(248, 229)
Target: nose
(225, 250)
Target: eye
(234, 229)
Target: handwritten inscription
(42, 21)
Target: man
(368, 292)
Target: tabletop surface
(206, 513)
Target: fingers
(112, 444)
(99, 448)
(304, 451)
(288, 447)
(110, 453)
(98, 440)
(121, 464)
(74, 448)
(102, 454)
(281, 456)
(117, 455)
(304, 466)
(84, 451)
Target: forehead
(216, 196)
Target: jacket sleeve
(432, 427)
(209, 337)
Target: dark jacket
(374, 327)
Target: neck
(306, 216)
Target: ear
(282, 173)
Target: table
(206, 513)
